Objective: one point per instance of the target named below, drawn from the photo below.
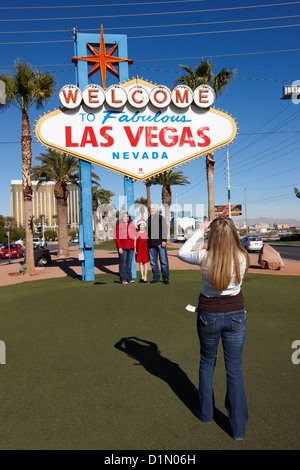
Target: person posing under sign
(124, 239)
(157, 245)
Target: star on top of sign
(102, 60)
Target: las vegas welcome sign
(136, 129)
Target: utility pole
(74, 31)
(176, 215)
(228, 186)
(246, 214)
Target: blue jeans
(163, 259)
(231, 327)
(125, 262)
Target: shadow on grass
(103, 265)
(148, 355)
(68, 264)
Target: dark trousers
(125, 261)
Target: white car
(179, 238)
(252, 243)
(38, 243)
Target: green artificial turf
(99, 365)
(110, 245)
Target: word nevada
(137, 95)
(136, 129)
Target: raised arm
(186, 252)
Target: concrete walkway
(107, 262)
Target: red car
(16, 251)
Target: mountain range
(267, 220)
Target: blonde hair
(223, 256)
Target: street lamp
(246, 213)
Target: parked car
(75, 239)
(252, 243)
(290, 238)
(179, 238)
(1, 246)
(38, 243)
(12, 250)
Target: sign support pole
(86, 216)
(85, 181)
(128, 182)
(129, 198)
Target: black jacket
(157, 230)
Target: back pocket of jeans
(207, 323)
(238, 322)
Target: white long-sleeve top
(196, 257)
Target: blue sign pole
(86, 215)
(128, 183)
(129, 200)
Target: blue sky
(259, 39)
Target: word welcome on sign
(136, 129)
(137, 96)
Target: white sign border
(127, 174)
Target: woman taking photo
(124, 239)
(221, 314)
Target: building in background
(43, 203)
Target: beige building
(43, 203)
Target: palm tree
(297, 192)
(104, 196)
(203, 75)
(26, 88)
(141, 203)
(148, 184)
(62, 169)
(167, 179)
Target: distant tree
(9, 224)
(141, 203)
(27, 87)
(103, 196)
(203, 75)
(148, 184)
(297, 192)
(50, 234)
(62, 169)
(168, 179)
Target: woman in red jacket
(124, 239)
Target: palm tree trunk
(210, 165)
(167, 214)
(96, 223)
(62, 212)
(166, 199)
(27, 192)
(148, 184)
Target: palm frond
(27, 86)
(56, 167)
(171, 178)
(203, 75)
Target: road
(287, 251)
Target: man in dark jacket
(157, 243)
